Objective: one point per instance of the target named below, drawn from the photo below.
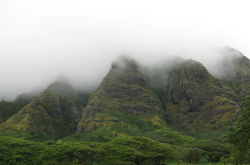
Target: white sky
(40, 40)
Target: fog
(43, 40)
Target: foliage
(70, 153)
(37, 136)
(203, 161)
(15, 134)
(239, 135)
(223, 160)
(92, 137)
(191, 155)
(18, 151)
(214, 135)
(122, 150)
(10, 108)
(137, 150)
(213, 150)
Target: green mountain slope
(56, 112)
(124, 89)
(8, 108)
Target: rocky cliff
(196, 100)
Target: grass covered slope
(124, 89)
(8, 108)
(32, 117)
(55, 113)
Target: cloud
(43, 40)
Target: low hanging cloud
(41, 41)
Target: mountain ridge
(187, 96)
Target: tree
(191, 155)
(139, 150)
(223, 160)
(238, 136)
(203, 161)
(18, 151)
(71, 152)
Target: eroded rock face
(197, 99)
(123, 89)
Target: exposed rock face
(196, 99)
(56, 112)
(123, 89)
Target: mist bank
(87, 73)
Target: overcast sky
(41, 40)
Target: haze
(43, 40)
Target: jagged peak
(232, 58)
(23, 95)
(230, 53)
(180, 63)
(124, 61)
(61, 85)
(194, 62)
(33, 99)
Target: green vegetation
(191, 155)
(7, 108)
(53, 115)
(15, 134)
(37, 136)
(238, 136)
(214, 135)
(18, 151)
(125, 150)
(75, 149)
(124, 121)
(212, 151)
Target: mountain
(135, 105)
(180, 92)
(56, 112)
(8, 108)
(124, 89)
(235, 71)
(196, 100)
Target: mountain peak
(124, 61)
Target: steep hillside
(56, 112)
(124, 89)
(8, 108)
(196, 100)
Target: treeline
(122, 150)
